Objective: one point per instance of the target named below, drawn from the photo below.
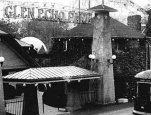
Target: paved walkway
(116, 109)
(14, 106)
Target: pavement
(114, 109)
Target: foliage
(148, 25)
(8, 27)
(126, 66)
(129, 63)
(83, 62)
(43, 30)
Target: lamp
(92, 56)
(110, 61)
(2, 59)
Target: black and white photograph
(75, 57)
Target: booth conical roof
(144, 75)
(102, 8)
(51, 74)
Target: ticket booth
(62, 88)
(142, 103)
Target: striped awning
(51, 74)
(144, 75)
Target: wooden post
(102, 2)
(147, 55)
(102, 49)
(40, 102)
(2, 103)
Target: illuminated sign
(17, 12)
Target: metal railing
(14, 106)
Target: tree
(43, 30)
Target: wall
(12, 60)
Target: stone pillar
(102, 49)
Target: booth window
(144, 92)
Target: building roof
(36, 42)
(102, 8)
(23, 44)
(51, 74)
(10, 40)
(3, 33)
(117, 29)
(144, 75)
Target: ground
(14, 106)
(116, 109)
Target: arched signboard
(52, 13)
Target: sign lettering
(52, 14)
